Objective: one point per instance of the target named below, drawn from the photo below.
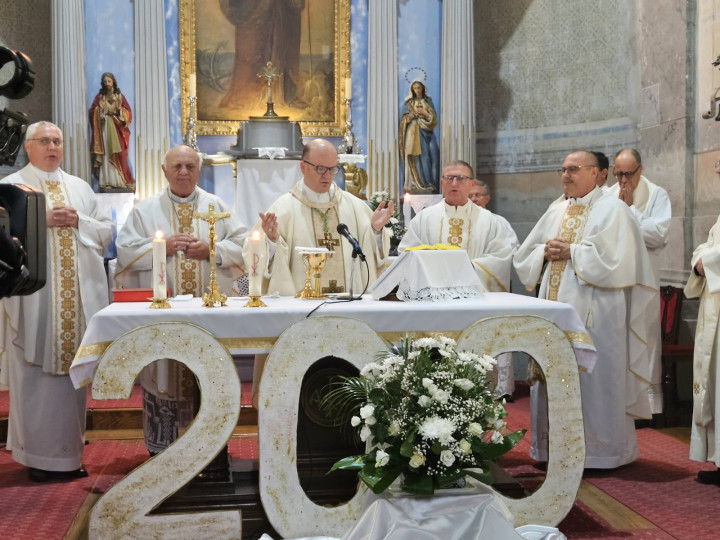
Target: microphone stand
(352, 273)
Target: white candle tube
(407, 209)
(348, 88)
(256, 264)
(159, 266)
(192, 85)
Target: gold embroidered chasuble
(188, 272)
(571, 228)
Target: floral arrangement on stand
(426, 415)
(396, 225)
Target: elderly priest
(168, 391)
(457, 221)
(308, 216)
(588, 251)
(41, 332)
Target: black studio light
(17, 80)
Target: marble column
(69, 110)
(151, 96)
(457, 107)
(382, 106)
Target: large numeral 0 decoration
(550, 348)
(289, 510)
(122, 512)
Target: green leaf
(450, 478)
(437, 448)
(485, 477)
(418, 484)
(494, 451)
(407, 449)
(349, 463)
(379, 481)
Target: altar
(124, 337)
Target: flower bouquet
(396, 224)
(425, 413)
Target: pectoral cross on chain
(328, 241)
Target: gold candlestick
(213, 295)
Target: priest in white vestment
(588, 252)
(168, 391)
(41, 332)
(458, 222)
(308, 216)
(650, 205)
(480, 195)
(704, 283)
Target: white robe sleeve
(655, 224)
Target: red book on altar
(135, 295)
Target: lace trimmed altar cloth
(430, 275)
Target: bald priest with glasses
(457, 221)
(588, 251)
(309, 215)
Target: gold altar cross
(328, 241)
(212, 217)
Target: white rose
(370, 421)
(381, 458)
(424, 401)
(475, 429)
(355, 421)
(367, 410)
(417, 460)
(496, 437)
(447, 457)
(432, 389)
(464, 384)
(441, 396)
(465, 446)
(427, 382)
(365, 433)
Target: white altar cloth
(259, 183)
(255, 330)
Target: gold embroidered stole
(571, 228)
(325, 220)
(453, 232)
(68, 319)
(188, 272)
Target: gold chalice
(314, 263)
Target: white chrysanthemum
(447, 342)
(436, 428)
(496, 437)
(447, 457)
(381, 458)
(367, 410)
(413, 354)
(417, 460)
(355, 421)
(424, 401)
(475, 429)
(371, 369)
(441, 396)
(465, 446)
(426, 343)
(394, 221)
(365, 433)
(467, 357)
(464, 384)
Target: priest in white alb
(40, 333)
(308, 216)
(459, 222)
(588, 251)
(168, 390)
(650, 204)
(704, 283)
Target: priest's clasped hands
(192, 247)
(557, 249)
(61, 216)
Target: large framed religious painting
(227, 43)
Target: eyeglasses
(459, 179)
(45, 141)
(620, 174)
(321, 170)
(573, 169)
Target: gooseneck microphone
(357, 251)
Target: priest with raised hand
(40, 333)
(168, 389)
(588, 251)
(459, 222)
(308, 216)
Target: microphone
(342, 229)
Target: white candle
(159, 269)
(192, 85)
(348, 88)
(407, 209)
(256, 264)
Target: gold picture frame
(208, 49)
